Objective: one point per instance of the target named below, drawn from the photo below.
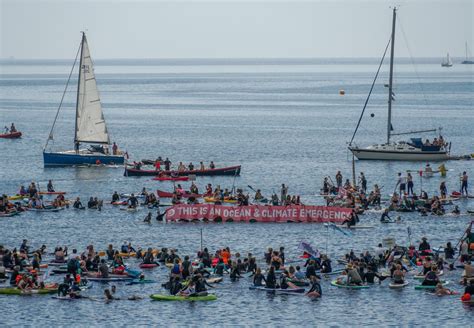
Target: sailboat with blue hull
(90, 127)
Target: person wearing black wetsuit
(133, 201)
(115, 197)
(311, 269)
(258, 278)
(271, 278)
(315, 290)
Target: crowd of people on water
(27, 268)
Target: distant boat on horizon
(90, 127)
(447, 62)
(467, 60)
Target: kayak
(159, 297)
(165, 194)
(17, 197)
(17, 291)
(213, 200)
(46, 209)
(334, 283)
(52, 192)
(12, 135)
(99, 279)
(278, 290)
(396, 286)
(148, 266)
(420, 287)
(169, 178)
(139, 282)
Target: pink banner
(257, 213)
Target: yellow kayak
(213, 200)
(16, 197)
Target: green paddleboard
(16, 291)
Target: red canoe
(168, 178)
(52, 193)
(165, 194)
(13, 135)
(231, 170)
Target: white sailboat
(447, 62)
(415, 150)
(467, 60)
(90, 127)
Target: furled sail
(90, 122)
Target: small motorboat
(11, 135)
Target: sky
(50, 29)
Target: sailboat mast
(390, 81)
(76, 143)
(466, 50)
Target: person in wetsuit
(115, 197)
(271, 278)
(315, 290)
(133, 201)
(259, 278)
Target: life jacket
(176, 269)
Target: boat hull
(69, 158)
(391, 155)
(231, 170)
(14, 135)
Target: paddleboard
(420, 287)
(397, 286)
(334, 283)
(159, 297)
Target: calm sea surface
(284, 122)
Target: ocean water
(284, 122)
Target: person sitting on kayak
(258, 195)
(431, 278)
(12, 128)
(315, 290)
(193, 189)
(212, 166)
(424, 248)
(259, 278)
(176, 270)
(149, 258)
(7, 131)
(115, 197)
(133, 201)
(22, 191)
(191, 166)
(50, 186)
